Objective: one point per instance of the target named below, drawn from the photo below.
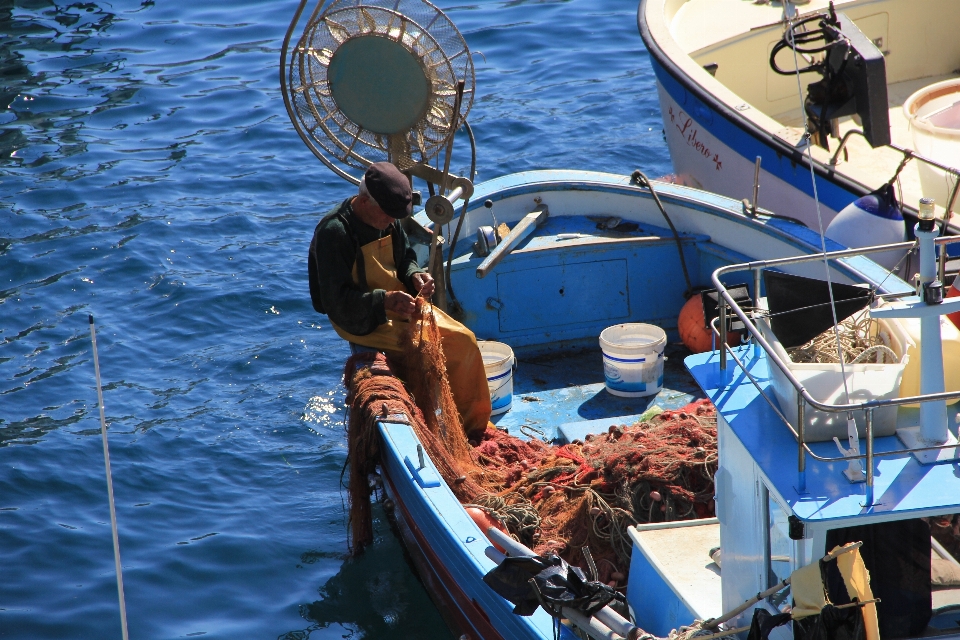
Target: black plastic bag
(548, 580)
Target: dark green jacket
(334, 250)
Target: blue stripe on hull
(749, 147)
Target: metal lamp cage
(425, 33)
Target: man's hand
(423, 282)
(400, 302)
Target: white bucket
(633, 359)
(499, 364)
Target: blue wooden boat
(538, 301)
(588, 251)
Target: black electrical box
(854, 83)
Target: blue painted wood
(425, 477)
(545, 296)
(644, 265)
(555, 389)
(903, 487)
(657, 607)
(584, 292)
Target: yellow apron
(468, 380)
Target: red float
(695, 334)
(485, 521)
(693, 329)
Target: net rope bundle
(551, 498)
(860, 341)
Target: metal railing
(908, 155)
(803, 396)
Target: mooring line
(106, 459)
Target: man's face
(371, 213)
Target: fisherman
(364, 276)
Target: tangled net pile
(551, 498)
(860, 341)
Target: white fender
(873, 219)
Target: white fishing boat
(741, 84)
(587, 255)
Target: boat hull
(448, 548)
(458, 611)
(713, 152)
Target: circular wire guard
(422, 30)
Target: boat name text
(684, 125)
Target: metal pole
(942, 263)
(802, 458)
(106, 459)
(723, 331)
(933, 414)
(756, 304)
(756, 185)
(869, 423)
(756, 287)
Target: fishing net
(553, 499)
(375, 390)
(559, 499)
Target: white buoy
(871, 220)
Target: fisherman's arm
(355, 311)
(413, 276)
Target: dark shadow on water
(376, 595)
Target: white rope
(816, 198)
(113, 509)
(879, 348)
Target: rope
(859, 338)
(816, 198)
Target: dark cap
(390, 188)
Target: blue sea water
(149, 175)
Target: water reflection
(374, 596)
(48, 56)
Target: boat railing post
(723, 330)
(756, 187)
(948, 212)
(756, 305)
(942, 258)
(802, 458)
(869, 427)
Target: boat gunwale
(528, 182)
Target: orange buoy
(953, 292)
(695, 334)
(485, 521)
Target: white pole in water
(106, 459)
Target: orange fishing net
(551, 498)
(587, 494)
(374, 392)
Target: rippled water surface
(149, 175)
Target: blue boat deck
(566, 390)
(903, 487)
